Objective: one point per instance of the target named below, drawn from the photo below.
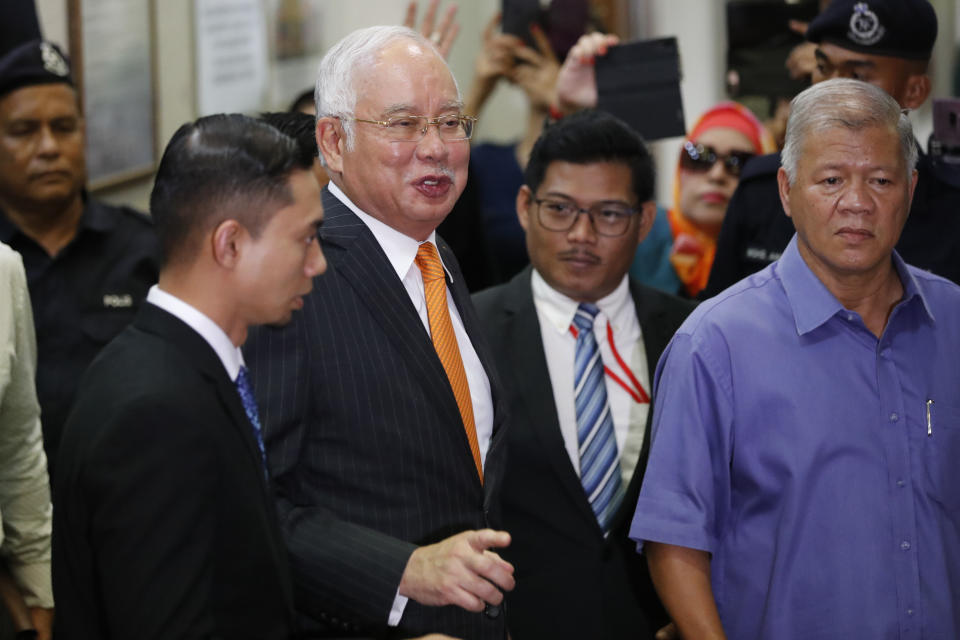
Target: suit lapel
(200, 354)
(524, 343)
(357, 256)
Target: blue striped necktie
(250, 407)
(599, 456)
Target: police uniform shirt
(756, 230)
(82, 298)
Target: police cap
(897, 28)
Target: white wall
(698, 25)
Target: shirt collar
(559, 309)
(401, 249)
(810, 300)
(229, 354)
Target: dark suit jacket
(163, 524)
(365, 441)
(571, 582)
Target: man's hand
(42, 622)
(577, 82)
(460, 570)
(444, 34)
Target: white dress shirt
(217, 338)
(555, 312)
(401, 250)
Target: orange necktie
(445, 341)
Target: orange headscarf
(693, 250)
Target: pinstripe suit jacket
(365, 442)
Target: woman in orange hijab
(708, 171)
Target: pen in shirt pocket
(929, 417)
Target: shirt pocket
(942, 454)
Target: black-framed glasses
(451, 128)
(608, 218)
(700, 158)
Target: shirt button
(885, 353)
(901, 483)
(850, 317)
(909, 612)
(894, 417)
(905, 545)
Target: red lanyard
(636, 391)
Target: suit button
(491, 610)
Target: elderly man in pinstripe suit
(383, 416)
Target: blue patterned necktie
(250, 406)
(599, 456)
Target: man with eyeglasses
(887, 43)
(576, 341)
(384, 421)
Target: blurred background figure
(88, 264)
(483, 227)
(678, 253)
(25, 511)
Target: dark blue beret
(898, 28)
(31, 63)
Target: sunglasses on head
(700, 158)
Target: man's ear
(524, 204)
(331, 142)
(648, 214)
(917, 91)
(783, 186)
(227, 243)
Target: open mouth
(433, 186)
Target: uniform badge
(865, 27)
(117, 300)
(53, 62)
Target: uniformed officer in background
(88, 264)
(888, 44)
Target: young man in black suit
(577, 342)
(164, 525)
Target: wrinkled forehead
(405, 73)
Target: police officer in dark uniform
(88, 264)
(886, 43)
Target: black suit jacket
(365, 441)
(163, 524)
(571, 581)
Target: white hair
(336, 90)
(846, 103)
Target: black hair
(299, 126)
(218, 168)
(304, 98)
(592, 136)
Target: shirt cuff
(34, 582)
(399, 604)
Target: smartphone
(518, 15)
(639, 82)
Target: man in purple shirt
(804, 480)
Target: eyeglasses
(608, 218)
(412, 128)
(700, 158)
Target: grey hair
(851, 104)
(336, 92)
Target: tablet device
(639, 82)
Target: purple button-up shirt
(796, 448)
